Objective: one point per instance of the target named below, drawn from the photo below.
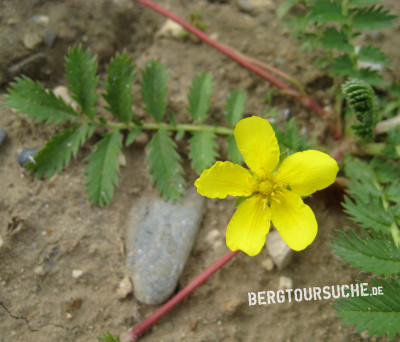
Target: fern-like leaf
(373, 54)
(58, 150)
(29, 97)
(102, 171)
(234, 106)
(323, 11)
(120, 79)
(165, 167)
(154, 89)
(202, 150)
(372, 18)
(81, 70)
(333, 39)
(233, 152)
(343, 66)
(200, 96)
(380, 314)
(372, 253)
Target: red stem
(138, 330)
(305, 100)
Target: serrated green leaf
(200, 96)
(102, 171)
(132, 135)
(343, 66)
(234, 106)
(333, 39)
(372, 253)
(380, 314)
(373, 77)
(165, 167)
(362, 2)
(285, 7)
(233, 152)
(29, 97)
(58, 151)
(202, 150)
(120, 79)
(373, 54)
(372, 18)
(154, 89)
(81, 70)
(323, 11)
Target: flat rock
(279, 251)
(160, 237)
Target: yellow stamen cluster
(269, 189)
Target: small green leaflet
(234, 106)
(200, 96)
(285, 7)
(333, 39)
(372, 18)
(29, 97)
(343, 66)
(165, 167)
(202, 150)
(233, 152)
(379, 314)
(372, 54)
(102, 171)
(120, 79)
(323, 11)
(59, 149)
(154, 89)
(81, 70)
(371, 252)
(133, 134)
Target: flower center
(266, 187)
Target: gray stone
(26, 156)
(279, 251)
(3, 136)
(160, 237)
(245, 6)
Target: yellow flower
(275, 195)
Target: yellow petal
(257, 143)
(307, 172)
(294, 220)
(249, 226)
(225, 178)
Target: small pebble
(32, 40)
(268, 264)
(122, 160)
(124, 288)
(214, 238)
(3, 136)
(40, 19)
(170, 29)
(39, 270)
(245, 6)
(1, 242)
(285, 283)
(76, 274)
(279, 251)
(26, 156)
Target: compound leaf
(380, 314)
(234, 106)
(371, 252)
(81, 70)
(202, 150)
(29, 97)
(102, 171)
(343, 66)
(373, 54)
(333, 39)
(154, 89)
(165, 167)
(323, 11)
(200, 96)
(120, 79)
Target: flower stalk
(138, 330)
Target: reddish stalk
(138, 330)
(304, 99)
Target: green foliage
(202, 149)
(31, 98)
(289, 138)
(167, 173)
(234, 107)
(81, 70)
(200, 97)
(108, 337)
(332, 25)
(120, 79)
(361, 99)
(233, 151)
(102, 171)
(372, 252)
(154, 89)
(380, 314)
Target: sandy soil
(50, 229)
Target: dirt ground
(49, 229)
